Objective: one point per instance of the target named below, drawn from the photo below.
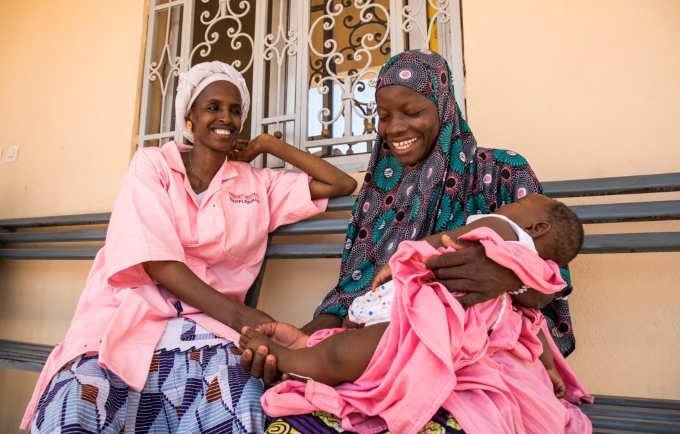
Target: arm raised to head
(327, 180)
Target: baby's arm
(499, 226)
(532, 298)
(546, 359)
(338, 358)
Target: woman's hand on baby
(469, 270)
(383, 276)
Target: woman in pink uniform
(149, 346)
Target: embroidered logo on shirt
(244, 198)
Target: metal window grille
(311, 65)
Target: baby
(543, 225)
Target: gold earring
(189, 126)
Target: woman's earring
(189, 126)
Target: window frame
(408, 22)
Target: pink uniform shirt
(122, 312)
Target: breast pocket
(246, 234)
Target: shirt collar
(172, 150)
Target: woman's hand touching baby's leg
(338, 358)
(252, 339)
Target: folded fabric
(436, 354)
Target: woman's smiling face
(408, 121)
(216, 116)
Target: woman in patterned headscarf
(405, 198)
(426, 176)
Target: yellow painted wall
(69, 80)
(582, 88)
(590, 89)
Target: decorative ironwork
(226, 12)
(317, 66)
(358, 50)
(313, 62)
(165, 70)
(437, 13)
(361, 27)
(290, 43)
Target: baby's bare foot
(252, 339)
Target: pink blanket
(436, 354)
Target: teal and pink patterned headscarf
(437, 194)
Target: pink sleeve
(142, 226)
(289, 198)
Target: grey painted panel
(635, 425)
(67, 220)
(613, 431)
(610, 243)
(644, 211)
(628, 212)
(21, 366)
(48, 253)
(23, 355)
(313, 227)
(616, 185)
(60, 236)
(300, 251)
(632, 243)
(572, 188)
(345, 203)
(631, 412)
(667, 404)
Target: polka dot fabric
(455, 180)
(373, 307)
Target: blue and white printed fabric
(187, 392)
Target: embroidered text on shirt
(244, 198)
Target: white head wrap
(192, 83)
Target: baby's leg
(548, 362)
(339, 358)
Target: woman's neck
(201, 165)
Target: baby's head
(556, 230)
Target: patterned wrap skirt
(199, 391)
(319, 422)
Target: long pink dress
(436, 354)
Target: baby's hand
(458, 244)
(558, 384)
(383, 276)
(346, 323)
